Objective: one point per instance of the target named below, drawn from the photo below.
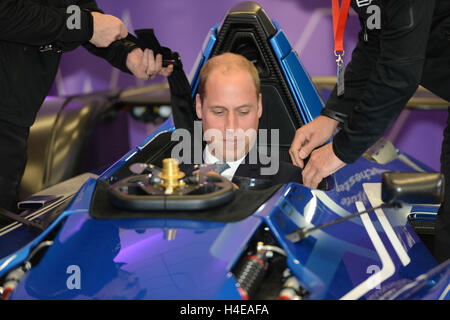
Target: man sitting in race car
(229, 105)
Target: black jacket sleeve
(27, 22)
(116, 54)
(393, 76)
(357, 72)
(24, 21)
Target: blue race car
(118, 235)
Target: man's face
(229, 110)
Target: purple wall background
(183, 24)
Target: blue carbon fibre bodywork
(129, 259)
(204, 55)
(305, 94)
(78, 205)
(368, 257)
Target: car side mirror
(412, 187)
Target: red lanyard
(340, 14)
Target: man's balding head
(227, 63)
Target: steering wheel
(145, 193)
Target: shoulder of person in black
(31, 50)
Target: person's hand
(309, 137)
(107, 29)
(144, 65)
(321, 164)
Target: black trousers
(13, 157)
(442, 237)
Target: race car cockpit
(146, 226)
(248, 31)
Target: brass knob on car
(171, 175)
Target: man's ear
(260, 105)
(198, 106)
